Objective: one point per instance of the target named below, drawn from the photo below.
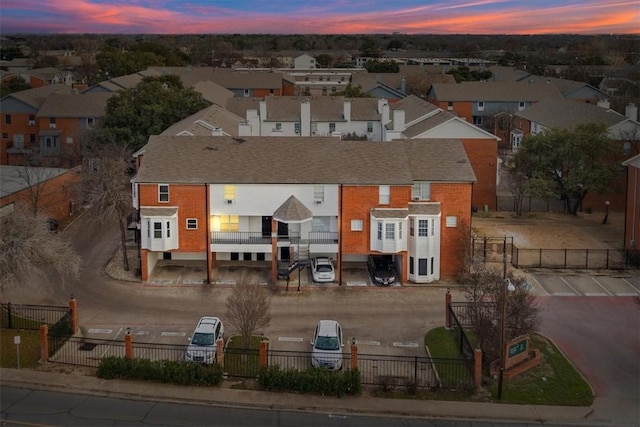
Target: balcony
(258, 238)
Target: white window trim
(160, 193)
(357, 225)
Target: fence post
(220, 352)
(354, 355)
(263, 353)
(73, 305)
(44, 343)
(586, 260)
(128, 344)
(9, 316)
(447, 308)
(477, 368)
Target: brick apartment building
(254, 199)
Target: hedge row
(313, 380)
(175, 372)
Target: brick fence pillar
(477, 368)
(264, 346)
(354, 356)
(220, 352)
(128, 345)
(73, 305)
(44, 343)
(447, 319)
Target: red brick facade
(483, 155)
(55, 199)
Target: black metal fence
(418, 372)
(241, 363)
(30, 317)
(492, 249)
(588, 259)
(82, 351)
(457, 329)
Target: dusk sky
(327, 17)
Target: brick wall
(56, 195)
(483, 155)
(632, 221)
(191, 202)
(357, 204)
(454, 199)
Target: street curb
(364, 406)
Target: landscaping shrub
(175, 372)
(313, 380)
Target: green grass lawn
(554, 382)
(29, 348)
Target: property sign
(517, 348)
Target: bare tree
(484, 288)
(39, 193)
(517, 181)
(106, 188)
(248, 310)
(30, 249)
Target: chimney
(263, 111)
(604, 103)
(631, 111)
(398, 120)
(384, 112)
(305, 118)
(347, 111)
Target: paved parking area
(568, 284)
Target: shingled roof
(201, 123)
(294, 160)
(494, 91)
(92, 104)
(35, 97)
(567, 114)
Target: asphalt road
(599, 334)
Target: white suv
(202, 344)
(327, 345)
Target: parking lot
(568, 284)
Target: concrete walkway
(534, 414)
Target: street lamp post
(503, 331)
(606, 212)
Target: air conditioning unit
(32, 122)
(318, 202)
(229, 201)
(52, 125)
(416, 199)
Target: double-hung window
(384, 195)
(423, 227)
(163, 193)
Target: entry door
(266, 226)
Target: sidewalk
(297, 402)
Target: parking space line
(596, 294)
(367, 342)
(569, 285)
(631, 284)
(564, 294)
(406, 344)
(540, 285)
(599, 284)
(100, 331)
(172, 334)
(290, 339)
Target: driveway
(598, 333)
